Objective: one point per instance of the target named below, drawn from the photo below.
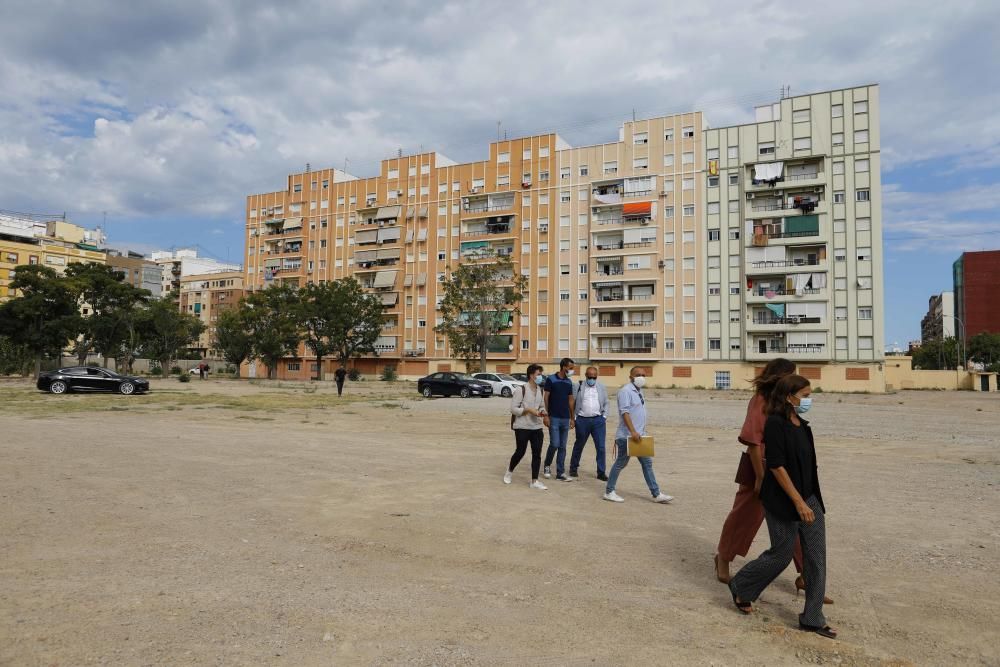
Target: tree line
(947, 353)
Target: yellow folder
(644, 447)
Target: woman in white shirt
(527, 408)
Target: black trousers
(340, 387)
(523, 436)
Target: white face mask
(569, 372)
(639, 381)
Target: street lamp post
(962, 348)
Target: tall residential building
(137, 270)
(696, 252)
(26, 240)
(177, 264)
(976, 277)
(205, 295)
(939, 322)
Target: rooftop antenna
(633, 115)
(345, 164)
(308, 169)
(498, 130)
(399, 152)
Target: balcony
(624, 347)
(475, 207)
(767, 321)
(803, 352)
(790, 206)
(496, 226)
(768, 295)
(803, 259)
(794, 173)
(616, 299)
(608, 246)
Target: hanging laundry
(777, 308)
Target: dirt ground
(224, 522)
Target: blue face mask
(539, 380)
(804, 405)
(591, 382)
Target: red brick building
(977, 293)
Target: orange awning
(637, 209)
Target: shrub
(156, 370)
(389, 374)
(174, 370)
(353, 374)
(184, 377)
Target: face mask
(803, 406)
(539, 380)
(569, 372)
(639, 381)
(591, 382)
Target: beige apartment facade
(646, 250)
(205, 296)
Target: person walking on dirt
(793, 507)
(340, 375)
(559, 408)
(632, 425)
(527, 409)
(591, 399)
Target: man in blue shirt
(559, 411)
(632, 425)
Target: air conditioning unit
(817, 191)
(644, 221)
(661, 264)
(750, 195)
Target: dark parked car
(449, 384)
(523, 377)
(87, 378)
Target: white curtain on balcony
(819, 280)
(767, 171)
(800, 280)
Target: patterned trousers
(758, 574)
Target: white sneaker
(508, 477)
(614, 497)
(538, 485)
(547, 472)
(663, 498)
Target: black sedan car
(87, 378)
(449, 384)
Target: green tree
(938, 354)
(164, 332)
(339, 318)
(984, 348)
(480, 300)
(111, 325)
(233, 337)
(43, 318)
(15, 358)
(272, 317)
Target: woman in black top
(793, 506)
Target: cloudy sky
(165, 115)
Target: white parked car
(503, 384)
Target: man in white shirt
(591, 421)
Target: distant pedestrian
(527, 409)
(793, 507)
(591, 407)
(340, 375)
(559, 405)
(201, 370)
(632, 426)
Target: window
(837, 111)
(734, 206)
(838, 197)
(564, 319)
(734, 289)
(582, 243)
(861, 166)
(501, 181)
(734, 179)
(503, 157)
(714, 289)
(713, 207)
(841, 343)
(456, 186)
(543, 175)
(297, 187)
(862, 195)
(611, 167)
(326, 184)
(765, 148)
(861, 136)
(563, 245)
(802, 144)
(687, 184)
(668, 264)
(640, 163)
(734, 235)
(543, 198)
(687, 237)
(712, 154)
(526, 154)
(864, 254)
(840, 255)
(861, 107)
(668, 135)
(412, 171)
(564, 172)
(292, 366)
(564, 344)
(581, 343)
(714, 316)
(688, 211)
(668, 160)
(668, 186)
(863, 224)
(687, 132)
(564, 196)
(564, 295)
(583, 269)
(733, 152)
(687, 263)
(687, 158)
(689, 344)
(668, 237)
(839, 225)
(564, 269)
(525, 248)
(864, 313)
(714, 262)
(801, 116)
(688, 317)
(840, 313)
(714, 234)
(865, 342)
(525, 343)
(584, 170)
(543, 151)
(411, 192)
(734, 261)
(543, 247)
(688, 290)
(668, 291)
(734, 346)
(840, 283)
(668, 317)
(713, 182)
(716, 344)
(838, 167)
(668, 213)
(543, 345)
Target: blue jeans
(558, 436)
(622, 461)
(585, 428)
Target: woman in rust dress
(747, 515)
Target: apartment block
(205, 296)
(939, 322)
(976, 278)
(697, 252)
(177, 264)
(24, 240)
(137, 270)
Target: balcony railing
(610, 272)
(486, 208)
(484, 232)
(782, 291)
(624, 350)
(623, 297)
(638, 193)
(783, 262)
(801, 348)
(789, 235)
(774, 319)
(609, 221)
(806, 207)
(625, 323)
